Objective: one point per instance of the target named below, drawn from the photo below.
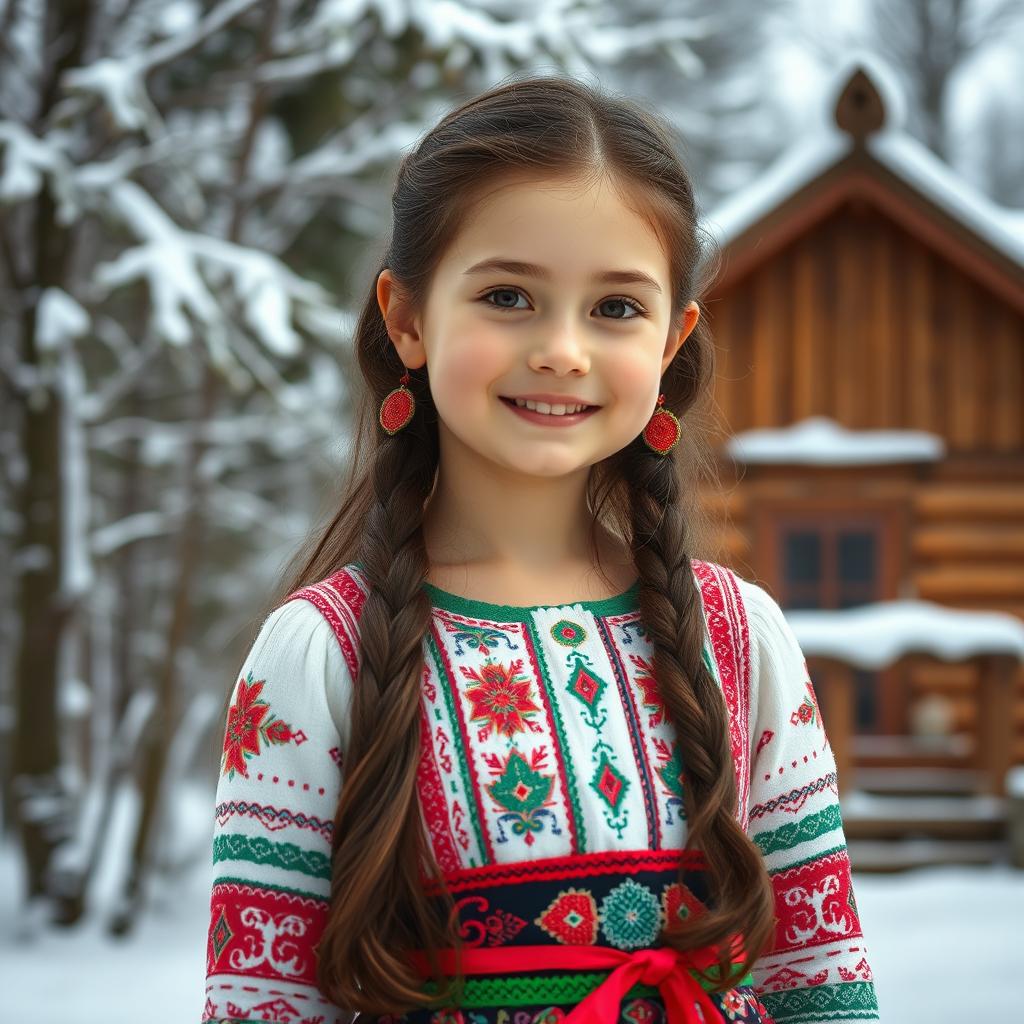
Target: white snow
(821, 441)
(918, 166)
(824, 144)
(873, 636)
(59, 319)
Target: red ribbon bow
(686, 1001)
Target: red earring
(398, 408)
(663, 431)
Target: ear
(691, 314)
(404, 332)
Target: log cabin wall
(858, 320)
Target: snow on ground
(944, 944)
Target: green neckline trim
(618, 604)
(550, 989)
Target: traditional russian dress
(551, 788)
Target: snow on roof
(919, 167)
(877, 635)
(821, 441)
(892, 147)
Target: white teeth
(551, 410)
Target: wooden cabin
(864, 287)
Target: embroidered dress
(551, 789)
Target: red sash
(661, 966)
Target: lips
(547, 419)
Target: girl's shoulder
(339, 600)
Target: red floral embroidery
(501, 699)
(808, 710)
(649, 688)
(571, 917)
(248, 721)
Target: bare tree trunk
(163, 725)
(42, 806)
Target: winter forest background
(191, 197)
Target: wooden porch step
(872, 816)
(877, 856)
(941, 752)
(915, 781)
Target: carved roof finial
(860, 109)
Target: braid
(672, 614)
(384, 749)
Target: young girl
(507, 752)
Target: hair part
(550, 127)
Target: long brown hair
(552, 127)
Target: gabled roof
(861, 152)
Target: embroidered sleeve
(817, 969)
(278, 787)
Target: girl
(507, 752)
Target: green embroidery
(796, 832)
(460, 752)
(520, 788)
(568, 633)
(671, 772)
(566, 989)
(221, 935)
(482, 638)
(609, 783)
(631, 915)
(260, 850)
(809, 860)
(850, 1001)
(225, 880)
(620, 604)
(588, 688)
(563, 742)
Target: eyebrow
(507, 266)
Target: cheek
(632, 374)
(465, 364)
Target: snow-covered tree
(179, 184)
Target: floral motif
(446, 1016)
(550, 1015)
(501, 699)
(678, 903)
(651, 696)
(808, 711)
(631, 915)
(587, 687)
(523, 791)
(734, 1003)
(671, 772)
(641, 1011)
(571, 917)
(248, 722)
(568, 633)
(609, 783)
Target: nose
(561, 351)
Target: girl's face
(550, 326)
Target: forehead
(574, 227)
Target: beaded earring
(663, 431)
(398, 407)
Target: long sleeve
(817, 968)
(278, 787)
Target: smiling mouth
(512, 402)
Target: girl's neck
(563, 583)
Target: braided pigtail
(379, 845)
(741, 895)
